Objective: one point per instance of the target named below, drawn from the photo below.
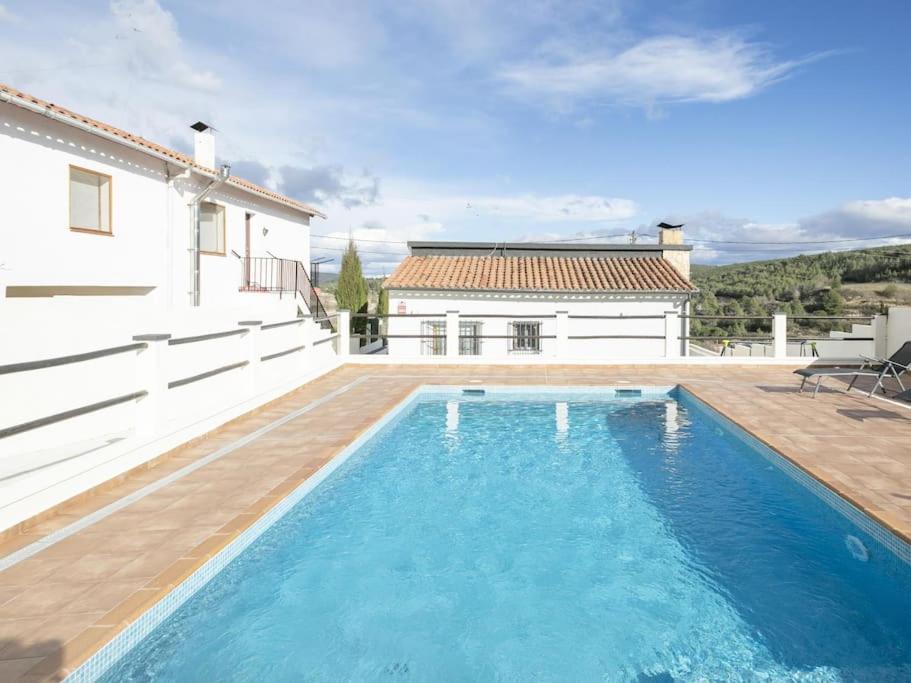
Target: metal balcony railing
(270, 274)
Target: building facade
(526, 299)
(94, 211)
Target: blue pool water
(552, 537)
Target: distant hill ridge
(801, 285)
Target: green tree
(382, 308)
(832, 302)
(351, 290)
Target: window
(433, 341)
(469, 338)
(525, 337)
(211, 228)
(90, 201)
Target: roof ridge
(158, 148)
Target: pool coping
(190, 577)
(843, 502)
(177, 583)
(144, 611)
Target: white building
(146, 297)
(590, 300)
(105, 225)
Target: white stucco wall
(37, 246)
(898, 329)
(475, 306)
(149, 248)
(287, 236)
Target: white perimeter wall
(898, 329)
(45, 466)
(473, 307)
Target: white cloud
(557, 208)
(654, 71)
(7, 16)
(864, 218)
(414, 211)
(151, 45)
(850, 226)
(325, 184)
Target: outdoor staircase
(272, 274)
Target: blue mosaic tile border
(507, 391)
(891, 542)
(108, 655)
(95, 667)
(99, 663)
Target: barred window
(433, 342)
(469, 338)
(525, 336)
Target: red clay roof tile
(543, 274)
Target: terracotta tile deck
(60, 605)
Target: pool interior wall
(873, 538)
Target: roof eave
(549, 246)
(540, 291)
(47, 110)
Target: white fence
(450, 336)
(70, 423)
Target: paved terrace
(59, 605)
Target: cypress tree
(382, 308)
(351, 291)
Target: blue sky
(775, 121)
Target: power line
(358, 239)
(565, 239)
(595, 237)
(363, 251)
(759, 243)
(835, 241)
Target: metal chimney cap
(668, 226)
(201, 127)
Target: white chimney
(204, 144)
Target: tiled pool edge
(170, 601)
(95, 666)
(867, 520)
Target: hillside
(858, 282)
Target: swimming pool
(552, 535)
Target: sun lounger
(820, 373)
(877, 368)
